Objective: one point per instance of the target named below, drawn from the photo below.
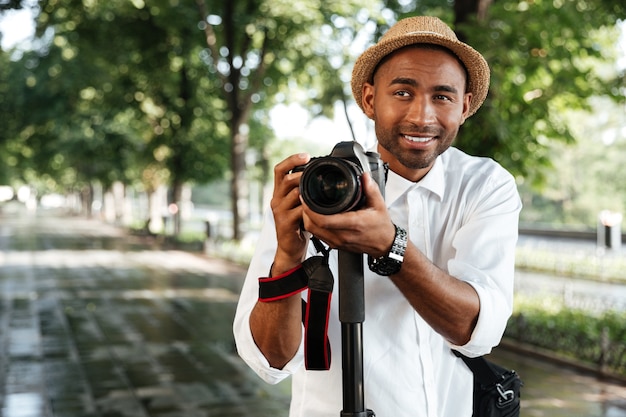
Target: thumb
(373, 195)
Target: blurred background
(164, 119)
(140, 112)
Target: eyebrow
(413, 83)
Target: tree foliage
(172, 91)
(542, 55)
(117, 91)
(259, 51)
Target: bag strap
(483, 372)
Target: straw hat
(423, 30)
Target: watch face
(384, 266)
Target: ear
(367, 100)
(467, 100)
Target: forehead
(423, 57)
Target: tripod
(351, 316)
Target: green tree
(260, 49)
(8, 117)
(134, 107)
(537, 73)
(587, 177)
(179, 113)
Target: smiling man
(440, 243)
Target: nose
(421, 111)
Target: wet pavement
(94, 323)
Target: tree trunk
(239, 104)
(86, 200)
(239, 184)
(464, 9)
(175, 210)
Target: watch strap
(392, 262)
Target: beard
(392, 140)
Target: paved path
(91, 324)
(95, 324)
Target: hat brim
(476, 66)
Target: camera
(332, 184)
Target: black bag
(496, 389)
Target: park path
(95, 324)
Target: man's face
(418, 102)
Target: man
(449, 287)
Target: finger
(281, 202)
(284, 168)
(290, 219)
(373, 196)
(326, 225)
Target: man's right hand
(277, 326)
(287, 210)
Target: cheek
(387, 113)
(453, 119)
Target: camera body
(332, 184)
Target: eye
(402, 93)
(443, 97)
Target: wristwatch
(392, 262)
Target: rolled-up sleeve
(485, 258)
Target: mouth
(419, 139)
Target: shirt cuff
(492, 320)
(252, 355)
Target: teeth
(418, 139)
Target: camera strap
(284, 285)
(317, 311)
(314, 274)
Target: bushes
(597, 340)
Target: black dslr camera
(332, 184)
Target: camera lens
(331, 185)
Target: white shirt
(463, 215)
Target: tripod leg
(352, 315)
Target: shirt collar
(433, 181)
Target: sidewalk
(94, 325)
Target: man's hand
(277, 326)
(287, 210)
(367, 230)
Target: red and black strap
(283, 285)
(316, 344)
